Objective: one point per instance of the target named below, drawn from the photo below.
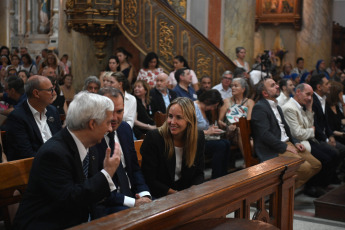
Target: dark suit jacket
(58, 195)
(159, 170)
(22, 133)
(322, 129)
(266, 131)
(133, 170)
(158, 101)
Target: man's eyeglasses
(51, 90)
(227, 78)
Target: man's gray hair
(300, 87)
(110, 91)
(91, 79)
(85, 107)
(30, 85)
(226, 73)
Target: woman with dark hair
(28, 65)
(113, 64)
(179, 63)
(173, 155)
(112, 67)
(214, 145)
(58, 98)
(15, 62)
(151, 69)
(65, 64)
(119, 81)
(4, 50)
(239, 61)
(335, 117)
(53, 62)
(24, 75)
(125, 67)
(67, 89)
(5, 61)
(143, 121)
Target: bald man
(161, 95)
(34, 121)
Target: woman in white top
(119, 81)
(241, 54)
(181, 62)
(28, 65)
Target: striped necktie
(86, 165)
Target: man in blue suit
(34, 121)
(128, 178)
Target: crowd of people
(86, 167)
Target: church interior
(85, 33)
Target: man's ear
(264, 93)
(35, 93)
(318, 87)
(92, 124)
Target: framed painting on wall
(278, 11)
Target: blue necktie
(86, 165)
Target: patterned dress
(149, 76)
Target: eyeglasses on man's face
(51, 90)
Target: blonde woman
(173, 155)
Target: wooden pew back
(245, 135)
(159, 118)
(14, 175)
(234, 193)
(137, 146)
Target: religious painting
(44, 16)
(278, 11)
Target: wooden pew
(14, 175)
(159, 118)
(137, 146)
(234, 193)
(245, 135)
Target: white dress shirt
(41, 121)
(322, 101)
(128, 201)
(282, 99)
(130, 109)
(82, 153)
(225, 93)
(283, 136)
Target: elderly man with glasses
(224, 86)
(34, 121)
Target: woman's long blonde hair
(190, 134)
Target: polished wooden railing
(268, 186)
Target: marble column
(239, 26)
(54, 25)
(28, 18)
(4, 18)
(314, 41)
